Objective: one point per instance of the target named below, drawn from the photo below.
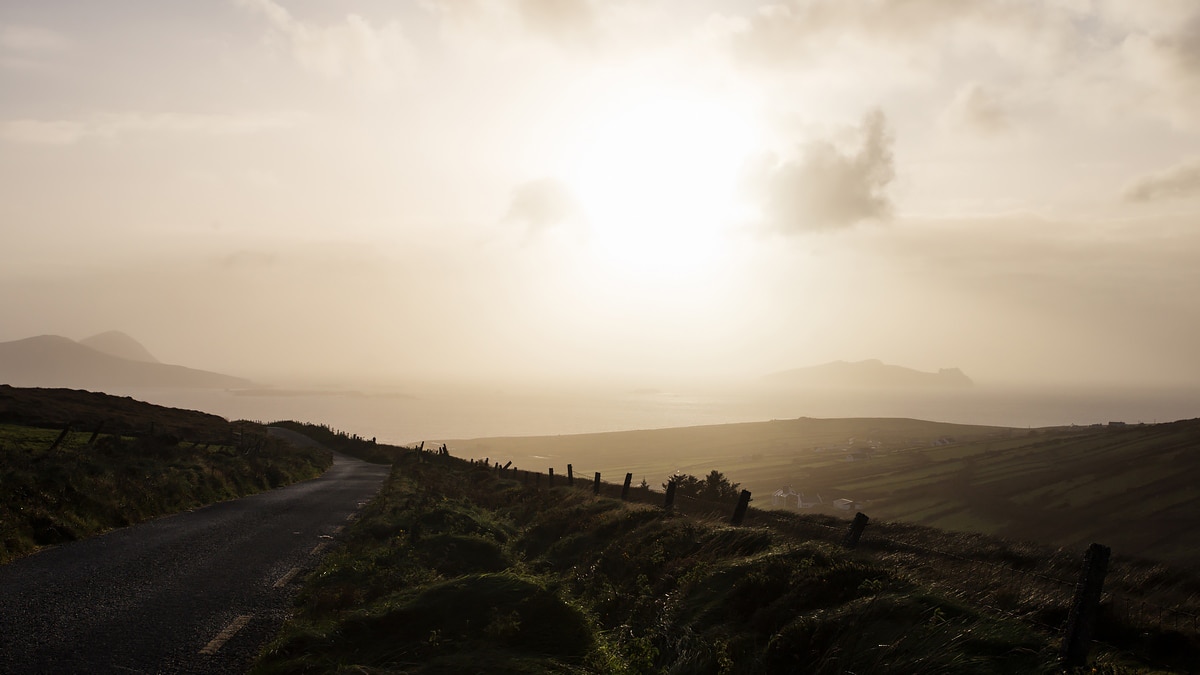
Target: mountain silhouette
(871, 373)
(118, 344)
(56, 361)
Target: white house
(785, 497)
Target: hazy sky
(648, 189)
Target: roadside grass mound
(344, 442)
(56, 487)
(593, 585)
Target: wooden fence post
(66, 430)
(550, 477)
(537, 480)
(739, 513)
(596, 485)
(625, 489)
(1082, 617)
(850, 541)
(570, 475)
(96, 433)
(669, 502)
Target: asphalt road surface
(197, 592)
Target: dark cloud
(1179, 181)
(825, 187)
(542, 204)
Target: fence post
(596, 485)
(66, 430)
(550, 477)
(739, 513)
(537, 481)
(625, 489)
(96, 433)
(669, 502)
(570, 475)
(1082, 617)
(850, 541)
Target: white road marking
(223, 637)
(338, 529)
(318, 548)
(287, 578)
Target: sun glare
(656, 179)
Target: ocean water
(444, 413)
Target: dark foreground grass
(452, 570)
(52, 495)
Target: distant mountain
(118, 344)
(56, 361)
(872, 373)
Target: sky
(656, 189)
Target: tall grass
(51, 496)
(451, 569)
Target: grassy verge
(454, 570)
(51, 494)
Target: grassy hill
(1131, 487)
(76, 463)
(459, 568)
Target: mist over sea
(411, 414)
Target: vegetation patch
(453, 569)
(58, 485)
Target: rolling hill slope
(56, 361)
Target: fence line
(1140, 611)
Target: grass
(453, 569)
(88, 483)
(1129, 487)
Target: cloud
(562, 18)
(566, 24)
(1177, 182)
(353, 49)
(28, 47)
(67, 132)
(542, 204)
(1168, 61)
(826, 187)
(978, 110)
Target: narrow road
(197, 592)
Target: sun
(656, 178)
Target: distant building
(785, 497)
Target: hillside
(55, 361)
(457, 567)
(76, 463)
(1128, 486)
(869, 374)
(118, 344)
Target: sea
(410, 414)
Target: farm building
(787, 498)
(784, 497)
